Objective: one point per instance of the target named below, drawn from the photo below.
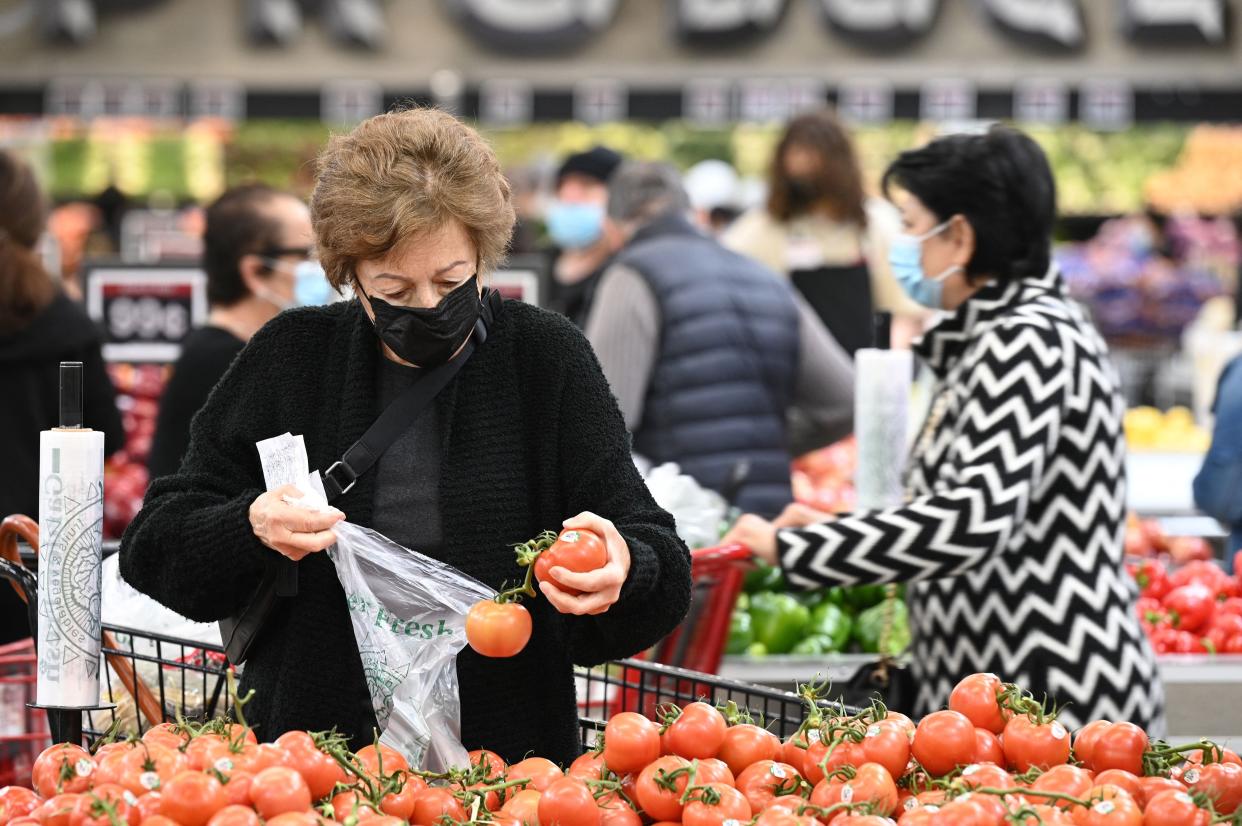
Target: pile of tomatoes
(1195, 609)
(994, 757)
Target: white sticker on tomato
(814, 736)
(873, 730)
(779, 771)
(1058, 731)
(223, 765)
(84, 767)
(1191, 777)
(911, 804)
(129, 798)
(731, 822)
(1104, 807)
(570, 537)
(847, 794)
(149, 781)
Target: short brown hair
(25, 288)
(840, 177)
(401, 175)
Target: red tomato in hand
(698, 732)
(943, 741)
(568, 802)
(496, 629)
(976, 697)
(745, 745)
(631, 741)
(191, 798)
(576, 550)
(1029, 744)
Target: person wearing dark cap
(575, 220)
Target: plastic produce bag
(409, 618)
(697, 510)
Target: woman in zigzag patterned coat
(1011, 538)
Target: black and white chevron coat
(1012, 536)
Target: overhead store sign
(540, 26)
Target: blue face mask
(905, 256)
(310, 286)
(575, 226)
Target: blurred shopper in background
(576, 226)
(715, 195)
(257, 249)
(816, 228)
(1218, 487)
(716, 362)
(39, 328)
(1012, 534)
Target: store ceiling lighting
(68, 21)
(357, 23)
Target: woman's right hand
(288, 529)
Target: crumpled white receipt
(285, 463)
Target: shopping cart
(699, 642)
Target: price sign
(521, 284)
(145, 312)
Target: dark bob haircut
(1001, 183)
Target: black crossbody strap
(396, 418)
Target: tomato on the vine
(943, 741)
(349, 804)
(659, 802)
(978, 697)
(697, 733)
(1120, 746)
(873, 785)
(106, 805)
(17, 801)
(988, 748)
(434, 804)
(235, 815)
(888, 745)
(614, 811)
(589, 766)
(1029, 744)
(498, 629)
(539, 770)
(1221, 782)
(1086, 738)
(568, 802)
(729, 805)
(524, 806)
(985, 775)
(1109, 806)
(631, 741)
(1174, 808)
(1063, 779)
(713, 770)
(766, 780)
(277, 790)
(381, 759)
(747, 744)
(191, 798)
(63, 769)
(575, 550)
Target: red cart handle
(733, 552)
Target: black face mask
(803, 193)
(429, 337)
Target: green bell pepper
(814, 645)
(757, 649)
(862, 597)
(833, 624)
(779, 621)
(869, 626)
(764, 577)
(741, 633)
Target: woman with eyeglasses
(1011, 537)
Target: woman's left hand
(600, 588)
(755, 533)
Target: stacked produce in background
(1208, 175)
(1175, 430)
(824, 479)
(995, 756)
(1194, 609)
(770, 620)
(138, 389)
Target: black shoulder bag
(239, 631)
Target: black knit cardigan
(532, 435)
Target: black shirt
(407, 476)
(206, 353)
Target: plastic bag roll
(881, 425)
(71, 464)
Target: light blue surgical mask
(575, 226)
(310, 286)
(905, 256)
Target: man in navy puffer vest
(717, 363)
